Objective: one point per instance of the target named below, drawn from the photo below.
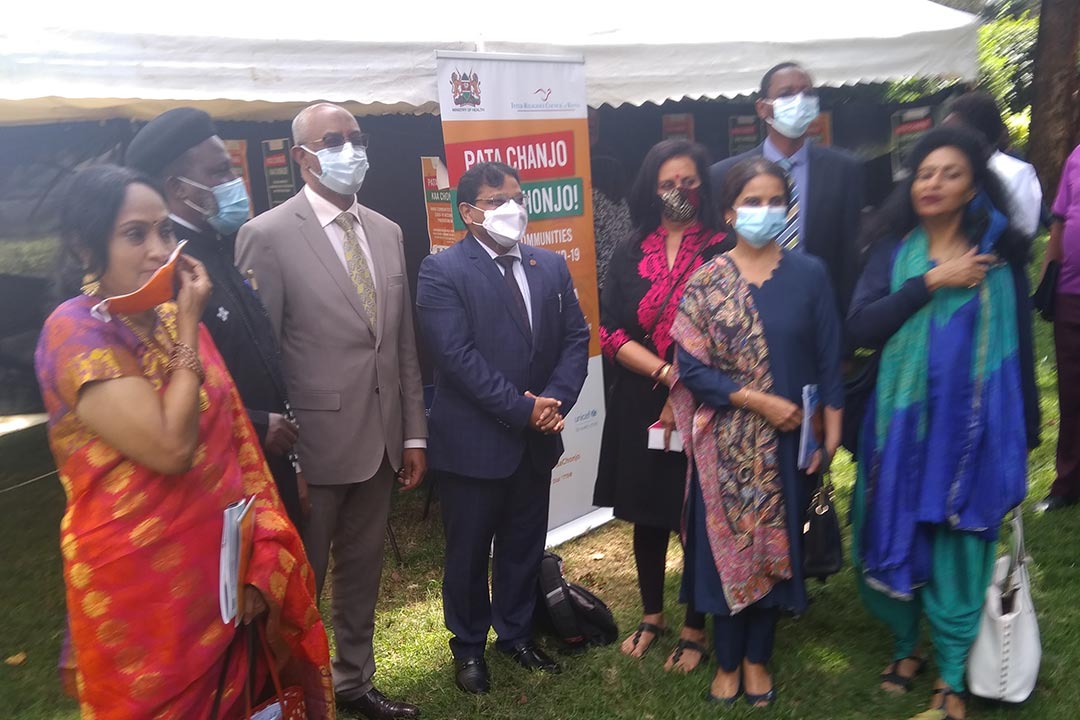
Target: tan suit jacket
(356, 392)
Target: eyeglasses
(686, 183)
(786, 93)
(497, 200)
(335, 140)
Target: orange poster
(441, 210)
(529, 112)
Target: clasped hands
(545, 416)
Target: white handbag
(1004, 661)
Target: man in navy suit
(827, 184)
(511, 349)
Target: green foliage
(996, 9)
(914, 89)
(1007, 40)
(1018, 124)
(1007, 59)
(28, 257)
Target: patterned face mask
(680, 204)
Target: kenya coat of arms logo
(466, 89)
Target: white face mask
(792, 115)
(506, 224)
(343, 168)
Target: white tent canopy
(263, 61)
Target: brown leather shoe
(373, 705)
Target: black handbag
(1045, 297)
(823, 552)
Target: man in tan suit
(332, 276)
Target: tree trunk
(1055, 111)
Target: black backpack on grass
(569, 612)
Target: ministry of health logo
(465, 89)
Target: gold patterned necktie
(357, 264)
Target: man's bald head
(310, 123)
(324, 126)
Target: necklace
(160, 354)
(151, 341)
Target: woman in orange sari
(152, 443)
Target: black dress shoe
(373, 705)
(530, 657)
(1053, 502)
(472, 675)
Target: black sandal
(903, 682)
(763, 700)
(647, 627)
(687, 644)
(729, 701)
(945, 692)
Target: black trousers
(1067, 347)
(650, 557)
(513, 513)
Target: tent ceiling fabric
(265, 64)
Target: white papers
(656, 438)
(271, 712)
(229, 568)
(808, 441)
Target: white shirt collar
(325, 211)
(512, 252)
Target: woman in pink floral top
(676, 230)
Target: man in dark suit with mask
(827, 184)
(511, 349)
(207, 204)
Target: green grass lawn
(826, 663)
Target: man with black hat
(208, 203)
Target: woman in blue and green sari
(943, 445)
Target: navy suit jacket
(486, 358)
(831, 219)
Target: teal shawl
(944, 438)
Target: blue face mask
(759, 226)
(343, 168)
(233, 205)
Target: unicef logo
(586, 416)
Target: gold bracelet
(660, 373)
(184, 356)
(745, 399)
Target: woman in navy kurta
(757, 324)
(802, 331)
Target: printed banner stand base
(578, 527)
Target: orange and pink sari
(140, 549)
